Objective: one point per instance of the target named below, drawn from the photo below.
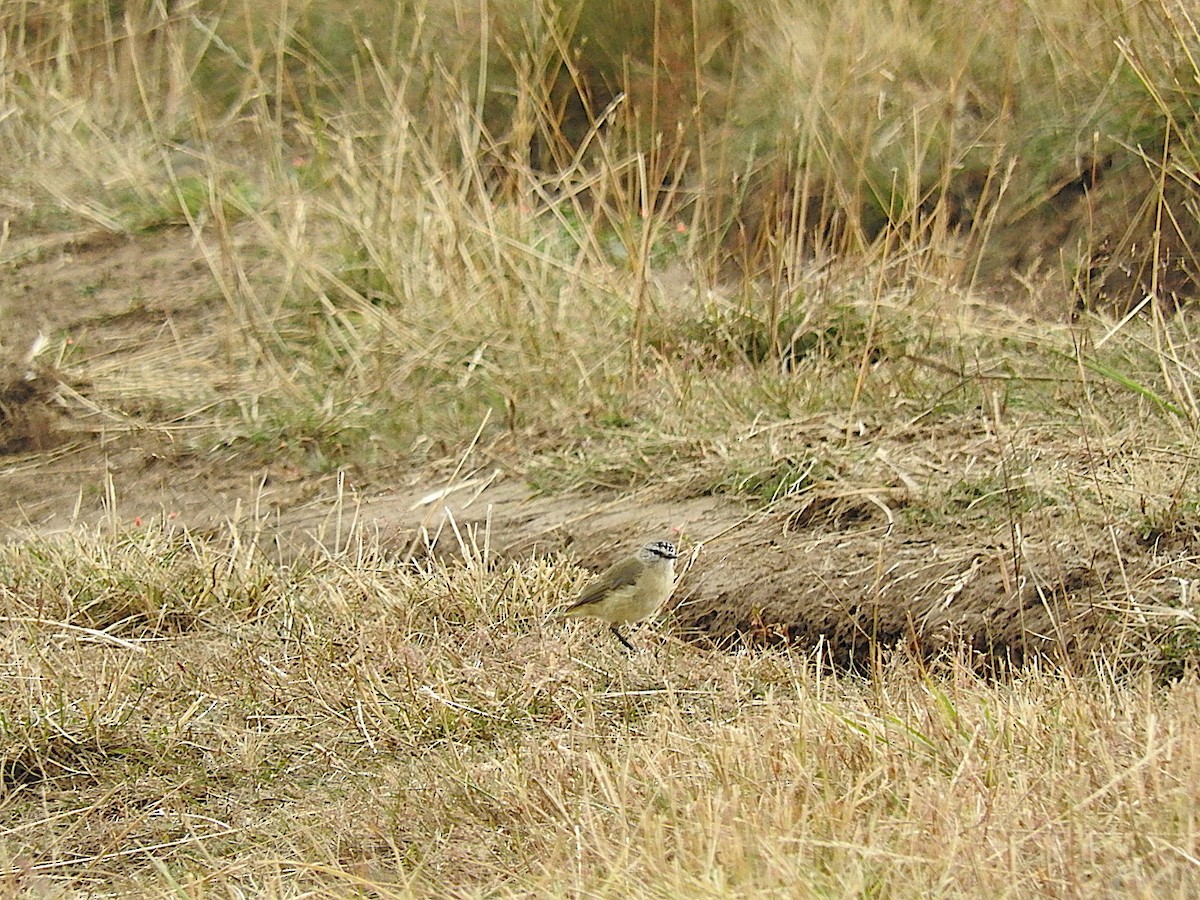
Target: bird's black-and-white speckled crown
(659, 550)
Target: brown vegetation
(336, 341)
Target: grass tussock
(429, 730)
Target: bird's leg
(622, 639)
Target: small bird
(630, 590)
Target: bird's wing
(621, 575)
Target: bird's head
(658, 552)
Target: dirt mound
(847, 585)
(851, 594)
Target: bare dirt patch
(133, 309)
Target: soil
(842, 579)
(843, 585)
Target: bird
(630, 590)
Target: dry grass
(375, 248)
(369, 726)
